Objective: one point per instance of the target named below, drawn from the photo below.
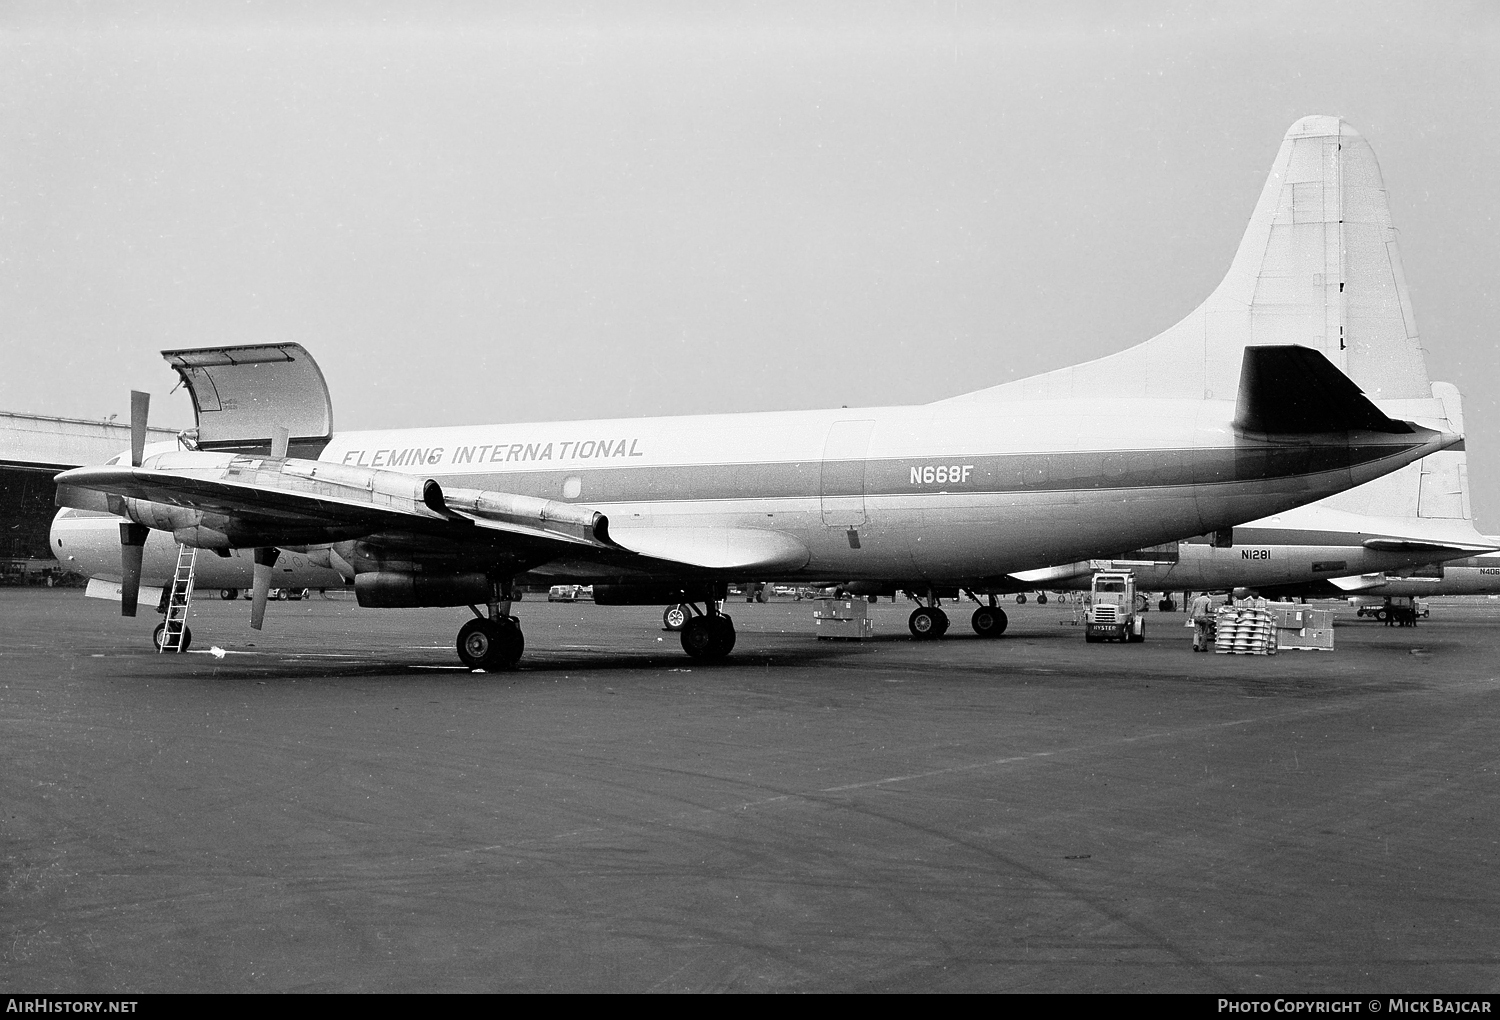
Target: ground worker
(1202, 615)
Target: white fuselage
(1262, 561)
(937, 493)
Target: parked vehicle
(1113, 613)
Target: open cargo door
(243, 394)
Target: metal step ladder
(178, 601)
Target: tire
(1381, 615)
(989, 623)
(1134, 638)
(229, 594)
(708, 638)
(1167, 606)
(1020, 600)
(673, 617)
(160, 632)
(491, 645)
(1041, 599)
(926, 624)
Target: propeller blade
(280, 440)
(132, 552)
(260, 589)
(140, 405)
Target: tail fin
(1319, 267)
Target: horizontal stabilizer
(1291, 389)
(715, 548)
(1358, 582)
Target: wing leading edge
(222, 501)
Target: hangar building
(33, 448)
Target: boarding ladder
(179, 599)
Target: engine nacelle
(662, 594)
(392, 589)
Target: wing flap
(1063, 572)
(1358, 582)
(715, 548)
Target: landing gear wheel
(927, 624)
(159, 634)
(491, 644)
(988, 622)
(229, 594)
(674, 617)
(709, 638)
(1167, 606)
(1041, 598)
(1020, 600)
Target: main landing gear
(929, 622)
(494, 642)
(708, 636)
(990, 620)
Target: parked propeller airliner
(1240, 411)
(1470, 575)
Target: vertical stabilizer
(1318, 266)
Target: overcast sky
(508, 212)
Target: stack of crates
(1302, 628)
(846, 618)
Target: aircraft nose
(56, 539)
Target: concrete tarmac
(334, 805)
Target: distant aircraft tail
(1319, 266)
(1435, 487)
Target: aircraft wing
(1411, 545)
(268, 501)
(258, 501)
(246, 499)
